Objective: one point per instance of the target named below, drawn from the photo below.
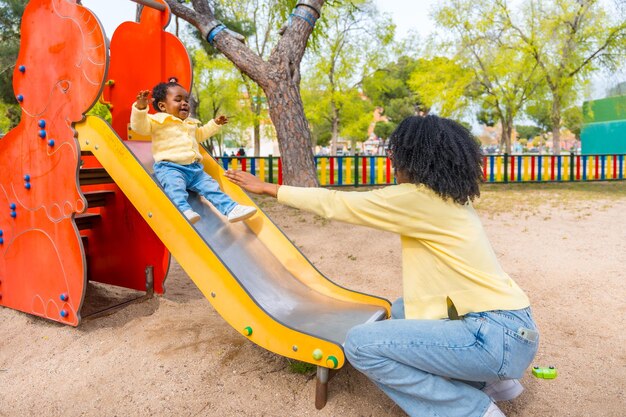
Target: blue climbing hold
(27, 185)
(22, 68)
(1, 241)
(13, 214)
(26, 177)
(1, 232)
(42, 134)
(42, 123)
(20, 98)
(63, 297)
(51, 142)
(64, 313)
(12, 206)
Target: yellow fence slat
(261, 173)
(498, 162)
(526, 170)
(379, 171)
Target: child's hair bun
(172, 80)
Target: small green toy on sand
(545, 373)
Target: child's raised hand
(142, 99)
(221, 120)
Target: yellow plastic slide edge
(205, 269)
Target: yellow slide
(256, 279)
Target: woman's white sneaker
(493, 411)
(505, 390)
(240, 213)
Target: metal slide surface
(249, 271)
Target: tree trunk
(257, 136)
(507, 128)
(257, 107)
(505, 137)
(287, 112)
(556, 126)
(335, 128)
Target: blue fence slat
(340, 170)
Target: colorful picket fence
(377, 170)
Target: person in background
(178, 162)
(463, 333)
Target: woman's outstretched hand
(251, 183)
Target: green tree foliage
(10, 19)
(528, 131)
(573, 120)
(100, 110)
(568, 40)
(501, 77)
(384, 129)
(353, 42)
(442, 83)
(220, 89)
(389, 88)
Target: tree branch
(293, 42)
(239, 54)
(618, 31)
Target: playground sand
(174, 356)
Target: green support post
(271, 169)
(356, 169)
(506, 167)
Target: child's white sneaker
(192, 216)
(493, 411)
(240, 213)
(505, 390)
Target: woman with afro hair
(462, 333)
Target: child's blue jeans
(177, 179)
(437, 367)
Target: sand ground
(175, 356)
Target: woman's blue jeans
(177, 179)
(437, 367)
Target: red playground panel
(64, 221)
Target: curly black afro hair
(159, 92)
(439, 153)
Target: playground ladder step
(97, 198)
(86, 220)
(92, 176)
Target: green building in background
(604, 124)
